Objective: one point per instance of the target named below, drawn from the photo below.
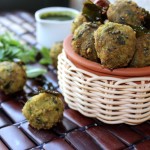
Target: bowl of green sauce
(53, 24)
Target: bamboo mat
(75, 131)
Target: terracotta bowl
(97, 68)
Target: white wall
(77, 4)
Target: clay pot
(97, 68)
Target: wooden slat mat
(75, 131)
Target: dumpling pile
(114, 35)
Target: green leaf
(35, 72)
(93, 12)
(45, 60)
(45, 52)
(11, 49)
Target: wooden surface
(75, 131)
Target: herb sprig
(46, 59)
(11, 49)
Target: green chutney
(58, 16)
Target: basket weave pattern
(109, 99)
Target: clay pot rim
(98, 68)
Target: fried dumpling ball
(83, 40)
(78, 21)
(142, 55)
(115, 44)
(126, 12)
(44, 110)
(12, 77)
(56, 49)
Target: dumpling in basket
(126, 12)
(115, 44)
(142, 54)
(78, 21)
(83, 41)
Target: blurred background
(78, 3)
(33, 5)
(30, 5)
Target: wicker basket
(111, 98)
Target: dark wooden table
(75, 131)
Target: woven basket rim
(98, 68)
